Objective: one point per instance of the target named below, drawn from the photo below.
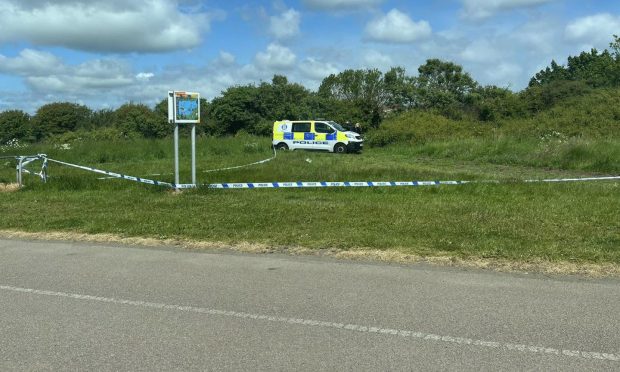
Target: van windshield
(337, 126)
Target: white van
(315, 135)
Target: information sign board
(186, 107)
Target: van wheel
(282, 146)
(340, 148)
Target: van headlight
(350, 135)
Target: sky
(104, 53)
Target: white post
(20, 171)
(44, 170)
(176, 155)
(184, 119)
(194, 155)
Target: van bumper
(355, 146)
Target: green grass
(577, 222)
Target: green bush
(61, 117)
(592, 115)
(14, 124)
(422, 126)
(595, 114)
(133, 119)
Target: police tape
(275, 185)
(27, 160)
(323, 184)
(124, 176)
(24, 160)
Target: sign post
(183, 108)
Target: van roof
(295, 121)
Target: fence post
(19, 171)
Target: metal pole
(20, 171)
(44, 170)
(176, 155)
(194, 155)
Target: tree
(615, 47)
(490, 103)
(14, 124)
(139, 119)
(399, 89)
(361, 90)
(254, 108)
(237, 108)
(541, 97)
(442, 84)
(58, 118)
(549, 74)
(102, 118)
(594, 68)
(282, 100)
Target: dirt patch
(9, 187)
(361, 254)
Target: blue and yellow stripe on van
(306, 136)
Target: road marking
(317, 323)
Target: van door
(325, 135)
(301, 135)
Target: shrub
(58, 118)
(133, 119)
(14, 124)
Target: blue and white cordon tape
(275, 185)
(124, 176)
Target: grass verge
(391, 256)
(508, 226)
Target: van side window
(301, 127)
(322, 128)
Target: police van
(315, 135)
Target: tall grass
(574, 128)
(468, 158)
(566, 222)
(593, 156)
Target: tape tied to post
(300, 184)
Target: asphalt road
(80, 306)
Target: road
(83, 306)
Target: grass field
(576, 222)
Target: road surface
(84, 306)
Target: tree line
(366, 96)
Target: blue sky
(103, 53)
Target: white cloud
(397, 27)
(317, 70)
(30, 62)
(144, 76)
(225, 58)
(276, 57)
(480, 51)
(46, 73)
(539, 37)
(286, 25)
(479, 9)
(503, 74)
(376, 59)
(112, 26)
(341, 4)
(595, 30)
